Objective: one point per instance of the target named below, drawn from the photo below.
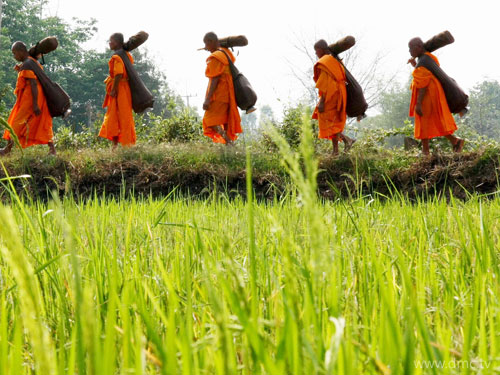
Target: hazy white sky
(176, 30)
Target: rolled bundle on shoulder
(234, 41)
(44, 46)
(342, 45)
(135, 41)
(438, 41)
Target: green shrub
(181, 127)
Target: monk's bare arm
(321, 105)
(116, 81)
(211, 89)
(420, 98)
(34, 94)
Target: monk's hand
(206, 104)
(17, 68)
(112, 93)
(412, 61)
(37, 110)
(418, 110)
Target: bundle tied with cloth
(58, 100)
(142, 98)
(356, 105)
(456, 98)
(243, 91)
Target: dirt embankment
(439, 175)
(348, 176)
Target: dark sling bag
(243, 91)
(58, 100)
(457, 99)
(141, 96)
(356, 103)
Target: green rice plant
(296, 285)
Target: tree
(266, 115)
(80, 72)
(249, 124)
(370, 76)
(484, 115)
(394, 104)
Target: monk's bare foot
(459, 145)
(348, 144)
(52, 149)
(7, 149)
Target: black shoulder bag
(243, 91)
(141, 96)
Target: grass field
(179, 286)
(231, 286)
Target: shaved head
(19, 51)
(416, 47)
(117, 37)
(211, 42)
(19, 46)
(417, 42)
(116, 41)
(321, 48)
(210, 37)
(321, 44)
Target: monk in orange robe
(329, 75)
(428, 103)
(118, 125)
(30, 118)
(221, 121)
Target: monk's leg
(220, 130)
(115, 143)
(7, 149)
(52, 149)
(456, 143)
(348, 142)
(335, 144)
(425, 147)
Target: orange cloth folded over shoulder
(118, 121)
(329, 75)
(223, 110)
(29, 128)
(437, 120)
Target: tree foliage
(484, 115)
(79, 71)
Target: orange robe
(118, 121)
(223, 109)
(437, 120)
(329, 75)
(29, 128)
